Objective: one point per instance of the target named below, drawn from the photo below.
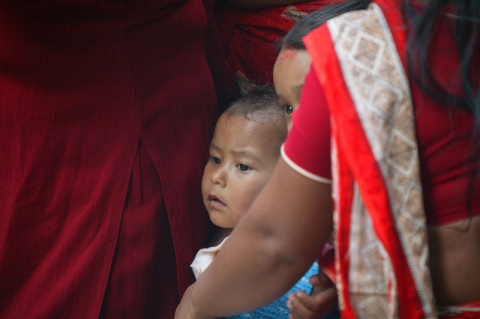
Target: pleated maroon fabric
(106, 112)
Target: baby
(243, 153)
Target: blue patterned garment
(278, 309)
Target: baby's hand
(316, 306)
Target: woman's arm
(271, 247)
(263, 3)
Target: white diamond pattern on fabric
(379, 88)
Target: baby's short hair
(261, 105)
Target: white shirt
(204, 258)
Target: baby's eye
(215, 159)
(288, 109)
(243, 167)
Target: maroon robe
(249, 36)
(106, 112)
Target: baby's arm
(315, 306)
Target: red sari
(380, 224)
(100, 203)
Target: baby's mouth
(215, 202)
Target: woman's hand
(318, 305)
(185, 309)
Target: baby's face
(289, 72)
(242, 157)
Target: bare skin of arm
(271, 247)
(263, 3)
(279, 237)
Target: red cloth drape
(92, 94)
